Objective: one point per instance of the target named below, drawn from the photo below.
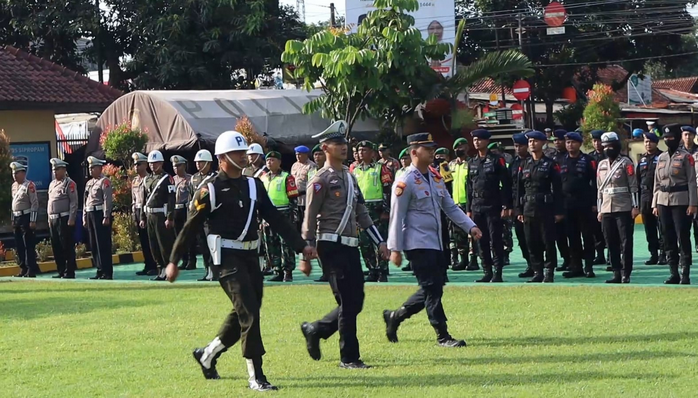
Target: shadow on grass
(107, 286)
(365, 379)
(35, 308)
(582, 340)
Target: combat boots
(564, 267)
(454, 258)
(674, 279)
(392, 319)
(472, 265)
(654, 259)
(575, 271)
(616, 277)
(537, 275)
(549, 275)
(407, 268)
(497, 275)
(686, 275)
(626, 276)
(288, 276)
(589, 270)
(312, 340)
(528, 272)
(662, 259)
(444, 339)
(488, 274)
(600, 258)
(258, 381)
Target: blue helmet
(638, 133)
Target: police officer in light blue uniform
(418, 197)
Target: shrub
(602, 112)
(5, 177)
(121, 186)
(2, 252)
(121, 141)
(125, 238)
(80, 250)
(44, 251)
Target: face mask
(611, 152)
(460, 153)
(672, 144)
(439, 160)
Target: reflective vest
(460, 177)
(370, 182)
(276, 188)
(312, 173)
(400, 172)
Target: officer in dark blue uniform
(489, 200)
(645, 181)
(561, 227)
(521, 154)
(688, 144)
(600, 241)
(578, 174)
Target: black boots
(616, 277)
(472, 265)
(312, 340)
(528, 272)
(674, 278)
(564, 267)
(662, 259)
(654, 259)
(392, 323)
(444, 339)
(497, 278)
(626, 276)
(537, 276)
(549, 275)
(600, 258)
(488, 274)
(575, 271)
(686, 275)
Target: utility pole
(98, 44)
(496, 37)
(530, 104)
(333, 22)
(300, 7)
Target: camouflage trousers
(369, 251)
(460, 240)
(507, 235)
(280, 255)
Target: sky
(318, 10)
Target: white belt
(154, 209)
(374, 200)
(94, 208)
(21, 212)
(282, 208)
(345, 240)
(55, 216)
(612, 191)
(236, 244)
(180, 206)
(138, 206)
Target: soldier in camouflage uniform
(389, 161)
(282, 190)
(460, 240)
(375, 182)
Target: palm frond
(492, 65)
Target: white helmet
(203, 156)
(155, 156)
(255, 149)
(230, 141)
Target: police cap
(421, 139)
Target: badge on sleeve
(399, 188)
(106, 183)
(72, 186)
(630, 169)
(317, 186)
(31, 187)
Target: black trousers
(618, 228)
(25, 240)
(521, 237)
(653, 231)
(342, 265)
(63, 244)
(243, 283)
(161, 239)
(676, 226)
(540, 238)
(599, 238)
(428, 267)
(491, 243)
(100, 242)
(561, 239)
(579, 224)
(180, 217)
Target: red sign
(517, 111)
(555, 14)
(521, 90)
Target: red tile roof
(30, 82)
(489, 86)
(685, 84)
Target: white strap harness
(253, 197)
(615, 167)
(21, 190)
(156, 189)
(350, 204)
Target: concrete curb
(82, 263)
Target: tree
(122, 141)
(602, 112)
(312, 28)
(381, 71)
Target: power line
(618, 61)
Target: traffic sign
(555, 14)
(494, 99)
(555, 31)
(521, 90)
(517, 111)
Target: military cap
(651, 136)
(548, 130)
(421, 139)
(559, 134)
(177, 160)
(610, 136)
(672, 130)
(481, 133)
(574, 136)
(383, 147)
(273, 154)
(441, 151)
(405, 153)
(596, 134)
(57, 163)
(459, 141)
(93, 161)
(650, 123)
(139, 157)
(493, 145)
(366, 144)
(302, 149)
(689, 129)
(536, 135)
(17, 166)
(334, 133)
(316, 148)
(519, 138)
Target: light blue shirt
(415, 211)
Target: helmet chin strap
(233, 163)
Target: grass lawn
(135, 340)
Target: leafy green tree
(602, 112)
(381, 71)
(120, 142)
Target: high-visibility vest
(400, 172)
(370, 182)
(460, 177)
(276, 188)
(312, 173)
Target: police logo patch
(337, 194)
(317, 187)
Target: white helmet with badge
(155, 156)
(230, 141)
(203, 156)
(255, 149)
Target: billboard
(437, 17)
(639, 90)
(36, 157)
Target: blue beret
(574, 136)
(560, 134)
(481, 133)
(302, 149)
(596, 134)
(651, 136)
(537, 135)
(689, 129)
(520, 138)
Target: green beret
(316, 148)
(493, 145)
(441, 151)
(273, 154)
(366, 144)
(459, 141)
(405, 153)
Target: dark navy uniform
(599, 239)
(563, 246)
(645, 181)
(518, 225)
(693, 149)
